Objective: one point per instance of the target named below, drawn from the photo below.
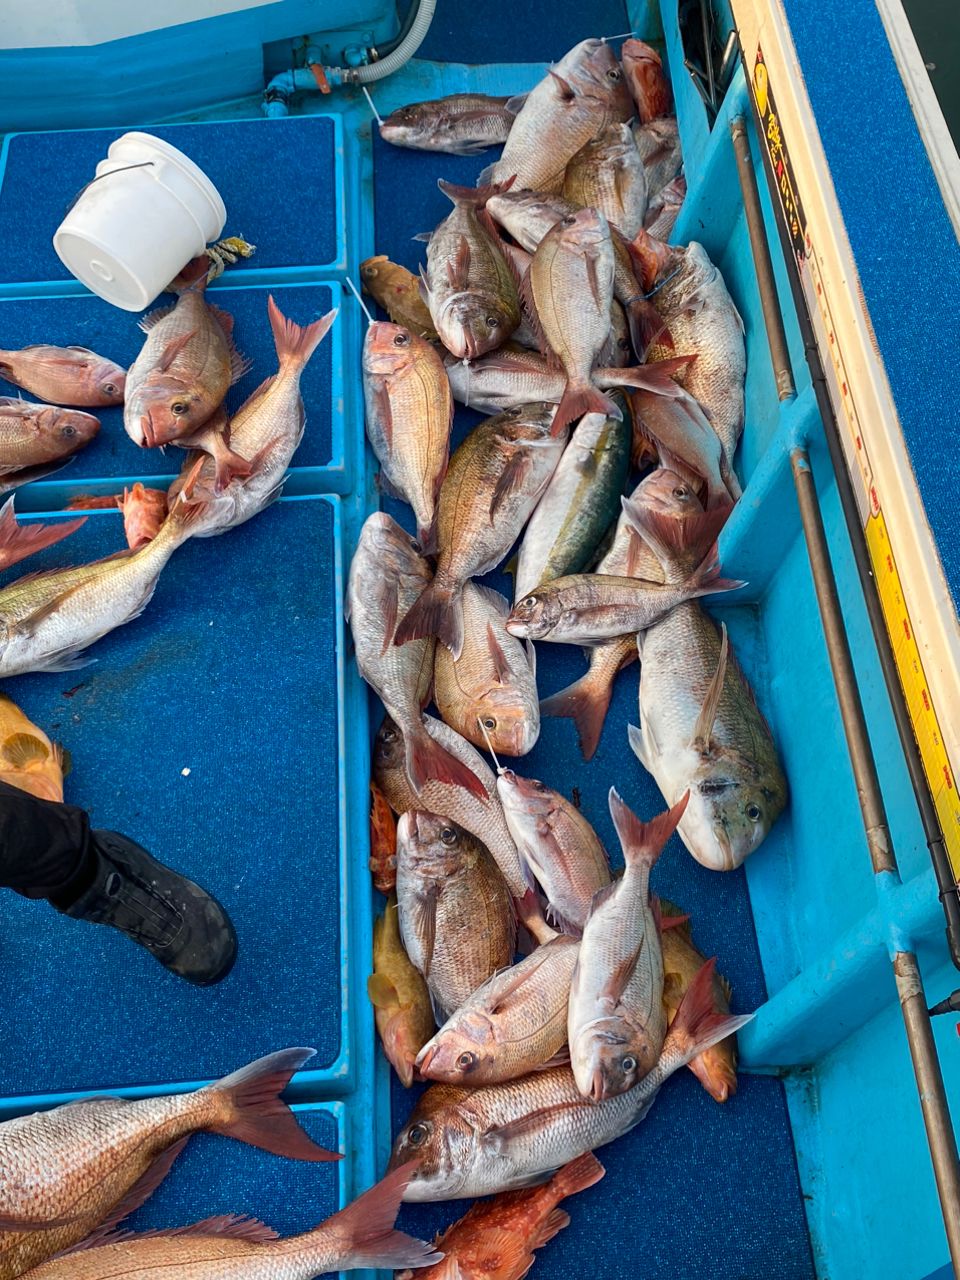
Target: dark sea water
(936, 25)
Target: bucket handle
(143, 164)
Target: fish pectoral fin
(28, 624)
(515, 104)
(382, 992)
(673, 989)
(173, 348)
(564, 90)
(423, 912)
(500, 665)
(11, 1222)
(638, 746)
(560, 1059)
(703, 729)
(424, 285)
(618, 979)
(389, 596)
(499, 1139)
(139, 1193)
(381, 398)
(511, 480)
(511, 992)
(591, 258)
(458, 267)
(21, 750)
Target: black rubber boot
(180, 924)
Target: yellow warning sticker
(926, 726)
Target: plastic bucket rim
(203, 184)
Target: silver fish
(460, 124)
(658, 142)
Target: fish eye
(110, 388)
(753, 812)
(466, 1061)
(448, 835)
(613, 73)
(569, 221)
(68, 432)
(629, 1063)
(529, 603)
(179, 408)
(493, 321)
(513, 413)
(538, 785)
(402, 339)
(680, 491)
(417, 1135)
(489, 722)
(389, 733)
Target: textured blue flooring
(293, 222)
(902, 239)
(705, 1189)
(230, 674)
(89, 322)
(504, 31)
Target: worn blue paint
(818, 965)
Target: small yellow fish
(28, 759)
(399, 996)
(397, 290)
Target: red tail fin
(707, 579)
(585, 702)
(255, 1113)
(697, 1026)
(579, 1174)
(646, 327)
(364, 1230)
(438, 612)
(295, 345)
(19, 541)
(658, 376)
(427, 759)
(643, 842)
(475, 195)
(580, 399)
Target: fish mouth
(598, 1086)
(425, 1057)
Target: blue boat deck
(239, 672)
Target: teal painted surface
(831, 1026)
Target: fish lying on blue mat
(362, 1235)
(71, 376)
(461, 124)
(81, 1168)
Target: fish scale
(608, 174)
(32, 435)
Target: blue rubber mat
(293, 222)
(207, 730)
(508, 32)
(215, 1175)
(89, 322)
(707, 1189)
(914, 307)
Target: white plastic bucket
(133, 230)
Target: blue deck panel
(89, 322)
(903, 241)
(293, 223)
(230, 674)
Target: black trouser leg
(45, 848)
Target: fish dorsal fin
(154, 317)
(226, 1226)
(24, 749)
(424, 285)
(703, 729)
(383, 994)
(501, 666)
(494, 600)
(223, 318)
(458, 267)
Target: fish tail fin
(585, 702)
(250, 1108)
(296, 344)
(697, 1025)
(19, 541)
(478, 195)
(658, 376)
(717, 1072)
(669, 538)
(579, 1174)
(706, 578)
(427, 759)
(643, 842)
(580, 398)
(438, 611)
(366, 1232)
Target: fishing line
(623, 36)
(366, 94)
(483, 730)
(353, 289)
(665, 280)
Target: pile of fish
(173, 394)
(543, 997)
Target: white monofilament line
(366, 94)
(483, 730)
(622, 36)
(356, 293)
